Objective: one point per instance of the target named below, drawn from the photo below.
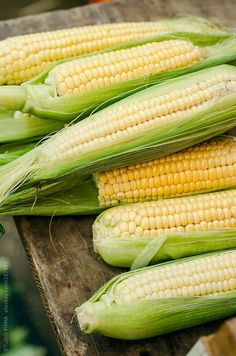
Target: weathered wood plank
(65, 267)
(67, 273)
(219, 343)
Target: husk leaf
(139, 252)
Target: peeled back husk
(217, 164)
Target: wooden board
(60, 251)
(223, 342)
(67, 272)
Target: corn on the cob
(23, 57)
(102, 70)
(208, 166)
(211, 166)
(77, 87)
(143, 126)
(142, 113)
(180, 219)
(149, 110)
(164, 298)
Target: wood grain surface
(60, 250)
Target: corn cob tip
(99, 233)
(12, 97)
(85, 315)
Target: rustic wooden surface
(60, 251)
(223, 342)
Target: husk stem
(32, 168)
(64, 197)
(40, 99)
(18, 127)
(103, 313)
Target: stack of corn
(142, 54)
(146, 109)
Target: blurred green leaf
(4, 264)
(18, 335)
(27, 351)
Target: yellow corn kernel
(208, 160)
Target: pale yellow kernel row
(118, 123)
(204, 167)
(204, 276)
(193, 213)
(101, 70)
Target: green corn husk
(38, 97)
(105, 313)
(140, 252)
(39, 166)
(11, 151)
(59, 198)
(18, 127)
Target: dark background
(17, 8)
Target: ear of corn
(23, 57)
(209, 166)
(152, 123)
(180, 219)
(73, 89)
(164, 298)
(104, 85)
